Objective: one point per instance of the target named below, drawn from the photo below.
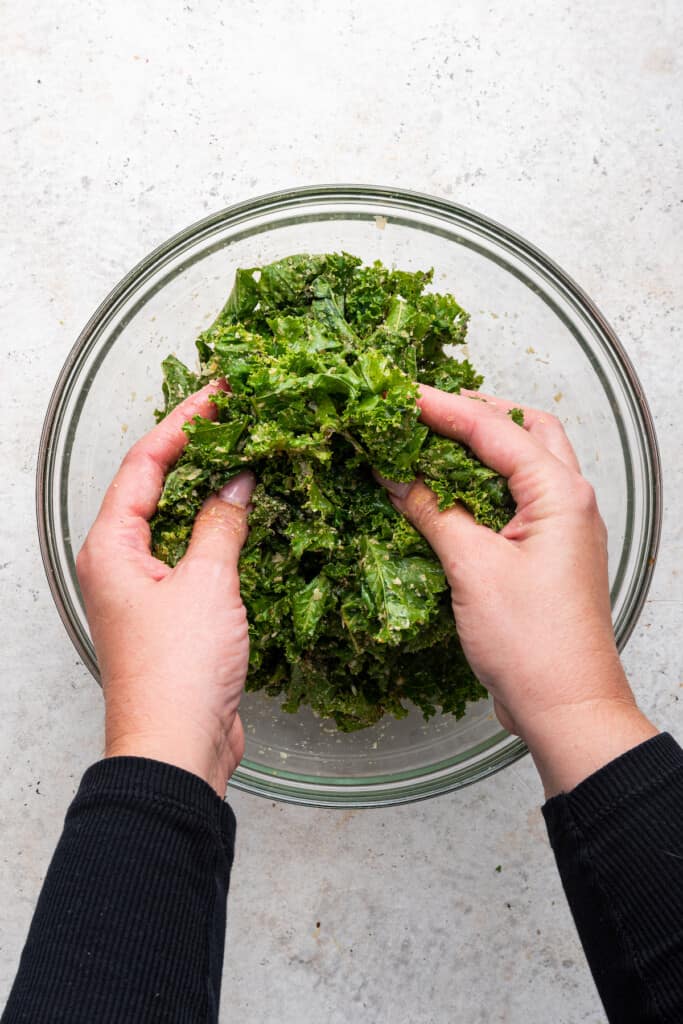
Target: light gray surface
(126, 122)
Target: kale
(349, 609)
(517, 416)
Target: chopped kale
(517, 416)
(349, 610)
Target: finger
(453, 534)
(493, 437)
(542, 425)
(135, 490)
(220, 529)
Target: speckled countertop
(125, 122)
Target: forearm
(618, 841)
(130, 923)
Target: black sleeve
(618, 841)
(130, 923)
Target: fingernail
(398, 490)
(219, 383)
(238, 491)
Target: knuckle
(546, 424)
(553, 422)
(96, 553)
(241, 622)
(468, 563)
(222, 517)
(88, 556)
(423, 508)
(133, 457)
(584, 496)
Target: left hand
(531, 603)
(172, 644)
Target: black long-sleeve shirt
(130, 923)
(618, 842)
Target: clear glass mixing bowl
(534, 334)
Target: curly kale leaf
(401, 593)
(349, 610)
(177, 384)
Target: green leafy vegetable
(348, 607)
(517, 416)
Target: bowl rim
(291, 199)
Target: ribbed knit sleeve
(618, 841)
(130, 923)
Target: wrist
(184, 748)
(572, 741)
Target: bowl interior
(531, 335)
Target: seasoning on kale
(349, 610)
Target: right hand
(172, 644)
(532, 603)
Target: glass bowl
(533, 333)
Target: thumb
(220, 529)
(453, 534)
